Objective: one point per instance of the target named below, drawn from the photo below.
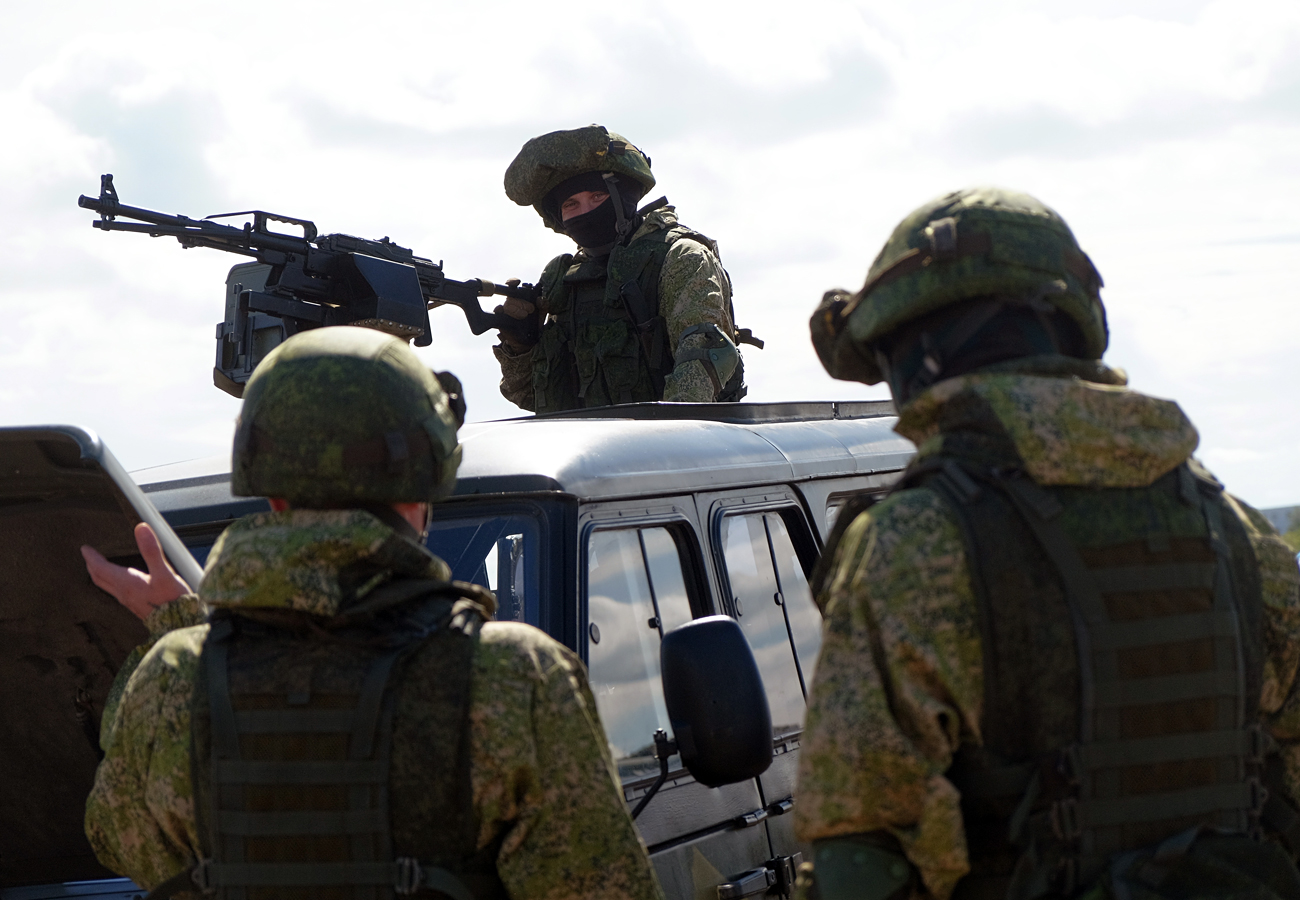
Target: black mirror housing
(716, 701)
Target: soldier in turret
(642, 311)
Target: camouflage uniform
(1058, 658)
(544, 790)
(900, 682)
(693, 288)
(345, 723)
(646, 315)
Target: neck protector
(596, 228)
(980, 333)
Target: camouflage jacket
(899, 682)
(543, 783)
(693, 289)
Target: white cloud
(1167, 133)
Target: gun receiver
(297, 283)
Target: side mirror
(716, 701)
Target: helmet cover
(342, 416)
(969, 243)
(549, 160)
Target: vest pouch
(553, 371)
(609, 365)
(1201, 865)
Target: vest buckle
(1067, 874)
(1258, 797)
(1069, 765)
(1261, 745)
(407, 877)
(201, 875)
(1065, 820)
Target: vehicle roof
(629, 450)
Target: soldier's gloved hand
(527, 313)
(138, 591)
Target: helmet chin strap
(624, 223)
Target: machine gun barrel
(305, 282)
(190, 232)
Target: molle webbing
(301, 727)
(1166, 735)
(604, 340)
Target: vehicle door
(824, 498)
(643, 573)
(762, 548)
(62, 641)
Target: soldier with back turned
(1059, 659)
(348, 722)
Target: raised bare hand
(140, 592)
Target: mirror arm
(665, 747)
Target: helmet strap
(935, 356)
(393, 519)
(624, 223)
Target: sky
(1166, 132)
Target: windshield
(500, 552)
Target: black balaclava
(596, 230)
(979, 332)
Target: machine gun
(298, 283)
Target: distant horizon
(1166, 133)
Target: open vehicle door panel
(62, 640)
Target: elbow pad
(856, 867)
(711, 346)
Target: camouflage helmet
(547, 161)
(344, 416)
(969, 243)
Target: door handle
(747, 884)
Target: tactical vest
(1122, 648)
(604, 341)
(306, 785)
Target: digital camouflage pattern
(1029, 251)
(314, 561)
(693, 289)
(1068, 431)
(899, 682)
(542, 780)
(546, 161)
(342, 416)
(180, 613)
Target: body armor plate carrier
(1121, 634)
(296, 792)
(604, 340)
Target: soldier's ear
(455, 395)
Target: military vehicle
(607, 528)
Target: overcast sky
(797, 135)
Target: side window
(636, 591)
(833, 507)
(775, 609)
